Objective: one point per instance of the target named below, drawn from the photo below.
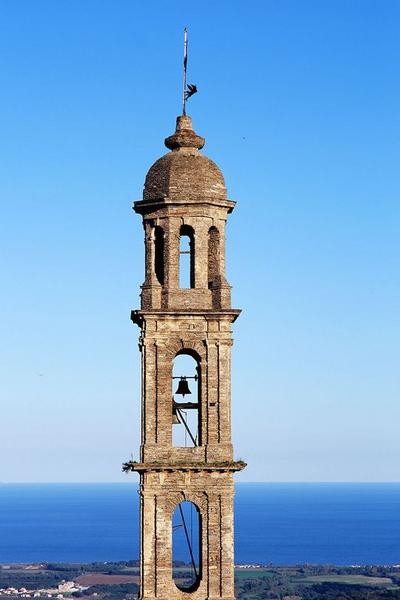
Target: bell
(183, 387)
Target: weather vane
(190, 89)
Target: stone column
(151, 288)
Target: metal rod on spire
(185, 53)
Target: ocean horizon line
(236, 482)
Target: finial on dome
(187, 90)
(184, 136)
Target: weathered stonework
(185, 192)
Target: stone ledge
(143, 207)
(225, 466)
(137, 315)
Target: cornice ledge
(224, 466)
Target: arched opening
(186, 257)
(186, 546)
(186, 387)
(214, 258)
(159, 253)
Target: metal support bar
(186, 405)
(183, 421)
(188, 540)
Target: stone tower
(185, 201)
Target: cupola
(184, 174)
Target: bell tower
(186, 455)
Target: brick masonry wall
(186, 188)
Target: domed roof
(184, 174)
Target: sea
(278, 523)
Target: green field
(253, 573)
(309, 582)
(346, 579)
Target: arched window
(186, 386)
(214, 258)
(159, 254)
(186, 257)
(186, 546)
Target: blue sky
(299, 104)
